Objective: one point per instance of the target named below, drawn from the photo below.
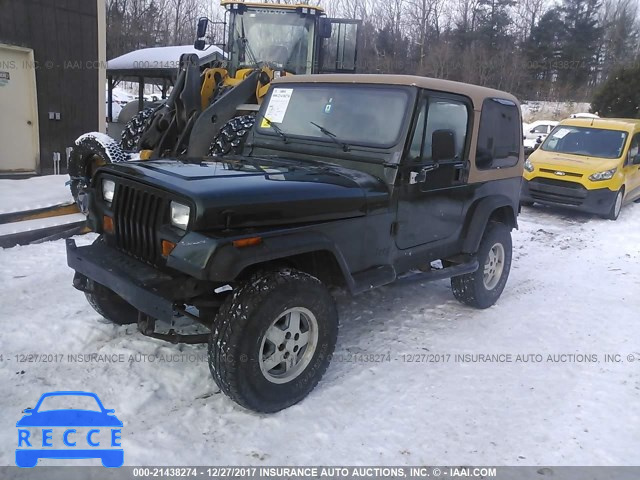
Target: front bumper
(148, 290)
(567, 194)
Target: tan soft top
(476, 93)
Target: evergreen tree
(619, 96)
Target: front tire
(614, 213)
(482, 288)
(232, 137)
(135, 128)
(110, 305)
(272, 340)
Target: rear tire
(110, 305)
(90, 152)
(232, 136)
(482, 288)
(272, 340)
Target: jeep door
(432, 188)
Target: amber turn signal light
(167, 247)
(247, 242)
(107, 224)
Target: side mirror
(443, 145)
(324, 28)
(203, 26)
(28, 410)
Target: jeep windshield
(353, 115)
(279, 38)
(585, 141)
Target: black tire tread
(231, 320)
(469, 289)
(108, 304)
(233, 136)
(134, 129)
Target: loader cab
(290, 39)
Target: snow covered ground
(574, 289)
(34, 193)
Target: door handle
(421, 176)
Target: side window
(634, 149)
(443, 116)
(499, 135)
(541, 129)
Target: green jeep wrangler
(348, 181)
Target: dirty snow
(34, 193)
(40, 223)
(574, 289)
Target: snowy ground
(34, 193)
(574, 289)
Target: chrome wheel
(494, 266)
(288, 346)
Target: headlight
(180, 215)
(528, 166)
(606, 175)
(108, 189)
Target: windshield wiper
(332, 136)
(275, 127)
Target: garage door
(19, 142)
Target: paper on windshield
(278, 104)
(561, 133)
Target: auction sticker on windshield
(278, 105)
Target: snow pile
(572, 295)
(34, 193)
(534, 110)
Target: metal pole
(110, 100)
(140, 93)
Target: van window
(499, 134)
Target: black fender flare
(229, 262)
(218, 260)
(479, 216)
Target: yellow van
(592, 165)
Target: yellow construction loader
(210, 111)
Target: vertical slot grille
(136, 215)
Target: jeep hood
(256, 192)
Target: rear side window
(499, 134)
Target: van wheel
(272, 340)
(110, 305)
(614, 213)
(482, 288)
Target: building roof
(476, 93)
(158, 62)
